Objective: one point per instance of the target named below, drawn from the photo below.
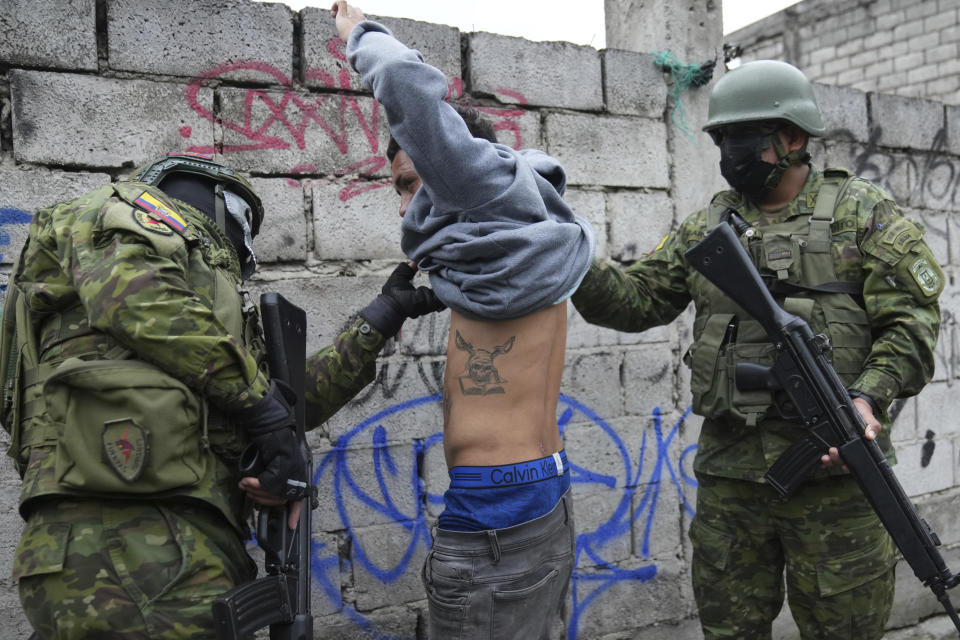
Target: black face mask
(742, 167)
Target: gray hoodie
(489, 224)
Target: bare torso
(501, 386)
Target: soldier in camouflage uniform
(133, 377)
(837, 251)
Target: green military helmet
(765, 90)
(203, 165)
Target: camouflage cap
(154, 172)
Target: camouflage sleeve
(337, 373)
(141, 297)
(651, 292)
(901, 288)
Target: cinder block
(364, 482)
(633, 85)
(325, 597)
(903, 412)
(591, 206)
(403, 401)
(602, 519)
(515, 127)
(326, 64)
(642, 593)
(917, 478)
(934, 410)
(611, 151)
(555, 74)
(946, 51)
(427, 336)
(953, 129)
(365, 226)
(435, 475)
(605, 452)
(939, 510)
(386, 564)
(657, 530)
(69, 119)
(283, 234)
(844, 112)
(25, 190)
(580, 333)
(593, 379)
(648, 378)
(220, 39)
(274, 132)
(694, 159)
(58, 35)
(639, 221)
(936, 223)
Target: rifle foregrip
(253, 605)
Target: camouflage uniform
(838, 558)
(108, 295)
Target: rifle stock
(281, 599)
(816, 395)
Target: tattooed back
(501, 386)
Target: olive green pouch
(127, 427)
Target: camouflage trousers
(838, 558)
(120, 569)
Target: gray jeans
(503, 583)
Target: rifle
(281, 599)
(805, 385)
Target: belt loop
(494, 545)
(433, 533)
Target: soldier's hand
(399, 300)
(251, 486)
(873, 428)
(271, 426)
(347, 18)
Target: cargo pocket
(42, 550)
(513, 603)
(842, 573)
(127, 427)
(710, 545)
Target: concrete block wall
(123, 81)
(902, 47)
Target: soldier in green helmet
(133, 377)
(837, 251)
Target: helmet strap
(220, 213)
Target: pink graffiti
(295, 113)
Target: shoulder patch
(926, 276)
(152, 225)
(159, 210)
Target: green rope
(683, 76)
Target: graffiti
(273, 121)
(396, 492)
(8, 217)
(930, 180)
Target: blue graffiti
(334, 469)
(10, 216)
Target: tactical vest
(796, 256)
(100, 422)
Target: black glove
(273, 429)
(398, 300)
